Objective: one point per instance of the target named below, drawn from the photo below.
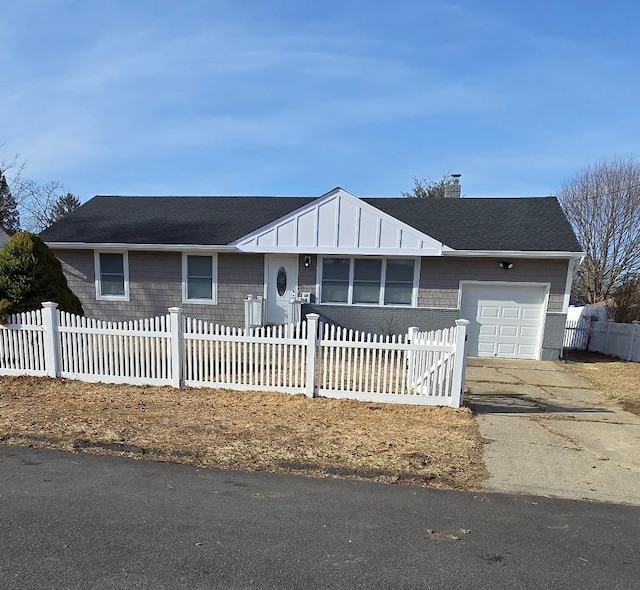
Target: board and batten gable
(340, 223)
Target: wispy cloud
(111, 95)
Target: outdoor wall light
(506, 265)
(307, 261)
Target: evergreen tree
(9, 215)
(30, 274)
(63, 206)
(428, 189)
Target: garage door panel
(488, 330)
(488, 311)
(506, 320)
(526, 351)
(508, 331)
(510, 313)
(529, 331)
(486, 349)
(506, 349)
(529, 313)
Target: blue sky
(295, 97)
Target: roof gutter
(139, 247)
(512, 254)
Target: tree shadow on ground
(583, 356)
(517, 403)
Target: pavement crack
(561, 435)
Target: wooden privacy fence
(308, 358)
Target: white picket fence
(606, 337)
(379, 368)
(325, 360)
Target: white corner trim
(567, 287)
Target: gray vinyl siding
(440, 278)
(155, 284)
(307, 276)
(553, 336)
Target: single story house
(378, 265)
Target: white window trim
(214, 278)
(414, 290)
(98, 275)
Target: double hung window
(112, 275)
(199, 278)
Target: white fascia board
(512, 254)
(139, 247)
(404, 252)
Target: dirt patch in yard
(246, 430)
(616, 379)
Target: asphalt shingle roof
(528, 224)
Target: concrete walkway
(550, 433)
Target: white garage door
(506, 320)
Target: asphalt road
(72, 521)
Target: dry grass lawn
(246, 430)
(618, 380)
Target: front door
(282, 286)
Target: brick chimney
(452, 189)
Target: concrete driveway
(550, 433)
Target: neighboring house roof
(489, 224)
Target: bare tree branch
(602, 202)
(36, 202)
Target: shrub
(30, 274)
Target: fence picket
(347, 363)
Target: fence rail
(308, 358)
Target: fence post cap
(312, 316)
(462, 322)
(49, 304)
(175, 309)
